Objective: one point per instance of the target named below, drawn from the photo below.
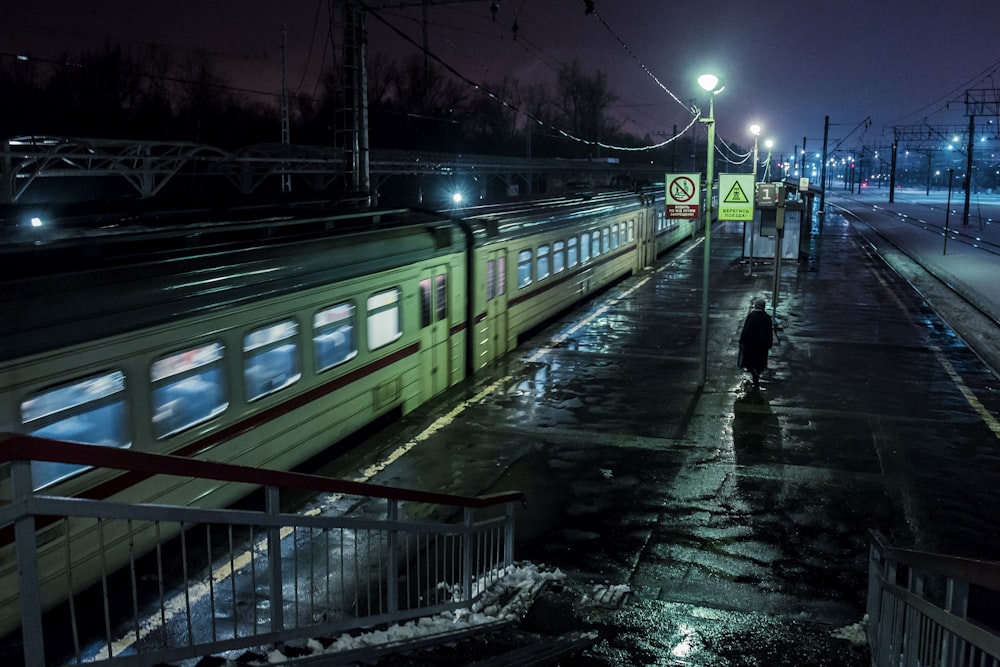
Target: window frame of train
(631, 231)
(339, 319)
(584, 247)
(615, 236)
(572, 252)
(595, 243)
(496, 277)
(543, 262)
(606, 240)
(72, 405)
(203, 363)
(558, 256)
(438, 301)
(383, 318)
(276, 347)
(525, 264)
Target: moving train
(264, 336)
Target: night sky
(786, 64)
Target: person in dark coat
(755, 340)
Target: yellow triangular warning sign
(736, 195)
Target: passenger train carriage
(266, 337)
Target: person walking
(756, 339)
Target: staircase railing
(237, 580)
(926, 609)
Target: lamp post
(755, 131)
(713, 85)
(768, 144)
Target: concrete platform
(738, 518)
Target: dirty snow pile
(506, 596)
(856, 633)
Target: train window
(501, 275)
(425, 302)
(584, 247)
(606, 235)
(333, 336)
(441, 287)
(271, 359)
(558, 256)
(384, 324)
(614, 236)
(524, 268)
(188, 388)
(491, 269)
(89, 411)
(542, 262)
(595, 243)
(572, 256)
(631, 231)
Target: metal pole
(968, 171)
(750, 262)
(710, 161)
(822, 177)
(947, 212)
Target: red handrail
(14, 446)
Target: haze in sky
(867, 65)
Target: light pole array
(713, 85)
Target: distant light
(36, 222)
(755, 129)
(22, 58)
(456, 198)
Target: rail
(240, 580)
(920, 608)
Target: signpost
(683, 195)
(736, 197)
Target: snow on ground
(506, 596)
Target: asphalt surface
(737, 517)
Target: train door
(493, 330)
(435, 344)
(646, 238)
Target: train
(265, 335)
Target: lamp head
(769, 144)
(755, 130)
(711, 83)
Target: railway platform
(733, 522)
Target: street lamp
(769, 144)
(713, 85)
(748, 230)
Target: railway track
(974, 319)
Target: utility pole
(822, 177)
(286, 133)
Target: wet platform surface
(737, 517)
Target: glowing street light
(712, 85)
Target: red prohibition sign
(682, 189)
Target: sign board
(803, 184)
(735, 196)
(683, 195)
(767, 195)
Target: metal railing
(919, 608)
(237, 580)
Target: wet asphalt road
(737, 517)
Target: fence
(220, 580)
(931, 610)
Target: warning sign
(683, 195)
(736, 196)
